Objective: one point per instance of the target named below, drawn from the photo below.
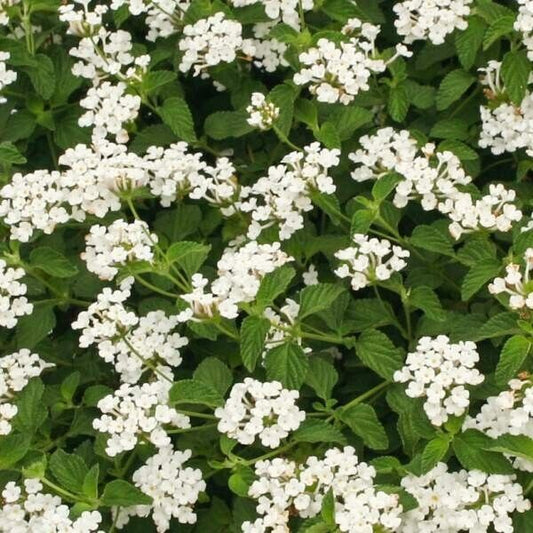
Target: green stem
(190, 430)
(63, 492)
(273, 453)
(325, 338)
(366, 395)
(407, 313)
(285, 139)
(152, 287)
(227, 332)
(195, 414)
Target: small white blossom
(4, 6)
(6, 76)
(369, 260)
(524, 24)
(516, 284)
(135, 411)
(285, 488)
(211, 41)
(116, 245)
(16, 370)
(282, 326)
(259, 410)
(13, 302)
(430, 20)
(27, 509)
(268, 53)
(440, 371)
(462, 501)
(510, 412)
(262, 113)
(287, 11)
(173, 486)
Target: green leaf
(377, 352)
(90, 482)
(470, 449)
(398, 103)
(283, 33)
(69, 385)
(240, 481)
(450, 128)
(287, 364)
(176, 115)
(340, 10)
(498, 326)
(328, 135)
(433, 239)
(52, 262)
(195, 391)
(318, 297)
(512, 357)
(315, 430)
(188, 255)
(435, 451)
(515, 74)
(362, 220)
(283, 96)
(468, 42)
(321, 377)
(452, 87)
(272, 285)
(327, 511)
(492, 11)
(478, 249)
(460, 149)
(329, 203)
(215, 373)
(500, 27)
(516, 445)
(121, 493)
(478, 276)
(385, 185)
(42, 75)
(364, 422)
(69, 469)
(13, 448)
(305, 111)
(252, 338)
(154, 80)
(33, 328)
(224, 124)
(426, 299)
(420, 96)
(348, 119)
(10, 155)
(31, 412)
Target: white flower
(13, 302)
(133, 411)
(262, 113)
(117, 245)
(439, 371)
(26, 508)
(462, 501)
(264, 410)
(338, 72)
(284, 194)
(129, 342)
(369, 260)
(211, 41)
(430, 19)
(16, 370)
(109, 107)
(268, 54)
(429, 176)
(285, 488)
(524, 24)
(510, 412)
(173, 486)
(6, 76)
(286, 11)
(516, 284)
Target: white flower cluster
(427, 175)
(281, 326)
(524, 24)
(369, 260)
(120, 243)
(13, 303)
(6, 76)
(109, 107)
(439, 371)
(286, 489)
(173, 487)
(287, 11)
(430, 19)
(505, 126)
(129, 342)
(262, 113)
(493, 211)
(516, 284)
(4, 4)
(511, 412)
(162, 16)
(25, 508)
(462, 501)
(269, 53)
(284, 194)
(211, 41)
(338, 72)
(16, 370)
(136, 411)
(260, 410)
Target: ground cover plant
(265, 266)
